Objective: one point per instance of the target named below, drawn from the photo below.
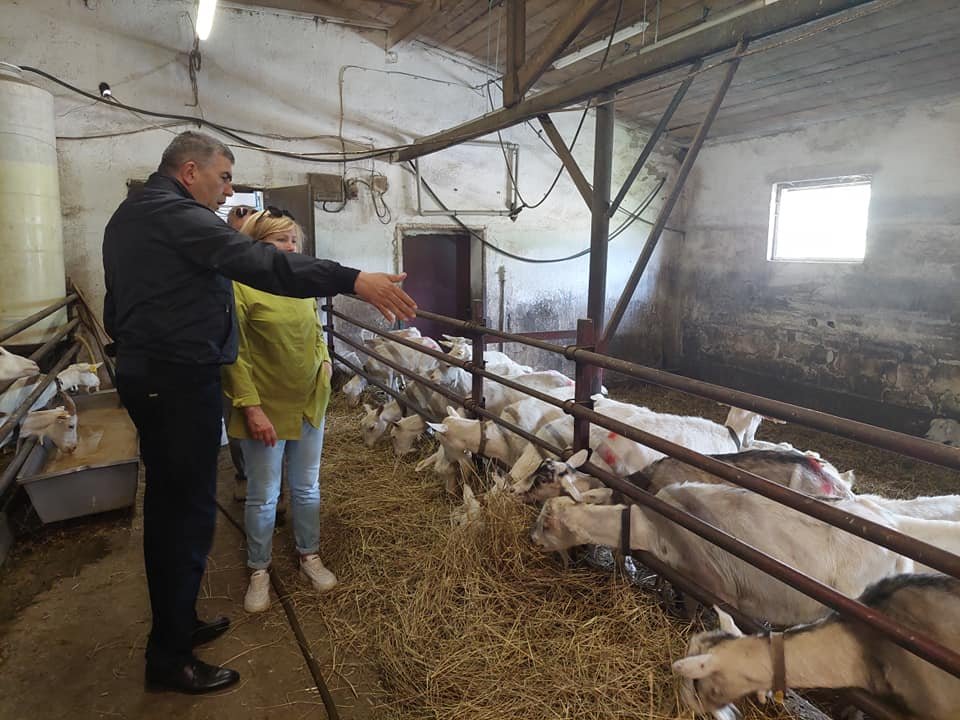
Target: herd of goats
(818, 648)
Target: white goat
(59, 424)
(828, 554)
(792, 469)
(13, 366)
(18, 391)
(80, 375)
(722, 667)
(354, 388)
(405, 431)
(620, 455)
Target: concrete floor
(74, 615)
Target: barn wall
(881, 340)
(268, 72)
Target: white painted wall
(888, 330)
(267, 72)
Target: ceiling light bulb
(205, 18)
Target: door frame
(478, 254)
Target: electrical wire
(538, 261)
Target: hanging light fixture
(205, 18)
(601, 44)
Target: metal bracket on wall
(512, 157)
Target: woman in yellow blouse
(279, 388)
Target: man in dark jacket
(168, 261)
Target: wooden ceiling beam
(755, 21)
(516, 50)
(412, 21)
(555, 43)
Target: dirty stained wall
(274, 75)
(878, 340)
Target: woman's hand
(259, 425)
(326, 370)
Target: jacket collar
(158, 180)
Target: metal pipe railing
(861, 527)
(861, 432)
(920, 645)
(19, 327)
(54, 341)
(399, 397)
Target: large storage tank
(31, 230)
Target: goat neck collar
(736, 438)
(625, 530)
(779, 662)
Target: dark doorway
(438, 277)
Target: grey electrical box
(325, 187)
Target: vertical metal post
(585, 381)
(476, 387)
(600, 219)
(328, 326)
(661, 222)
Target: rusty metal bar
(327, 307)
(655, 136)
(585, 380)
(914, 447)
(50, 344)
(17, 415)
(476, 380)
(538, 335)
(917, 643)
(19, 327)
(664, 215)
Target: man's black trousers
(178, 417)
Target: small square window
(819, 220)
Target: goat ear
(452, 411)
(598, 496)
(566, 482)
(438, 427)
(695, 667)
(848, 478)
(727, 623)
(578, 458)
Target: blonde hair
(263, 223)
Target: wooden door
(438, 277)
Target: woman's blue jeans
(263, 466)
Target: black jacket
(168, 262)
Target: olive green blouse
(281, 351)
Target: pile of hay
(474, 622)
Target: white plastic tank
(31, 228)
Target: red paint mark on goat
(607, 455)
(612, 435)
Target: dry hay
(474, 622)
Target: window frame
(820, 183)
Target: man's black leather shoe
(195, 677)
(204, 632)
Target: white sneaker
(257, 598)
(313, 570)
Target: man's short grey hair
(191, 145)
